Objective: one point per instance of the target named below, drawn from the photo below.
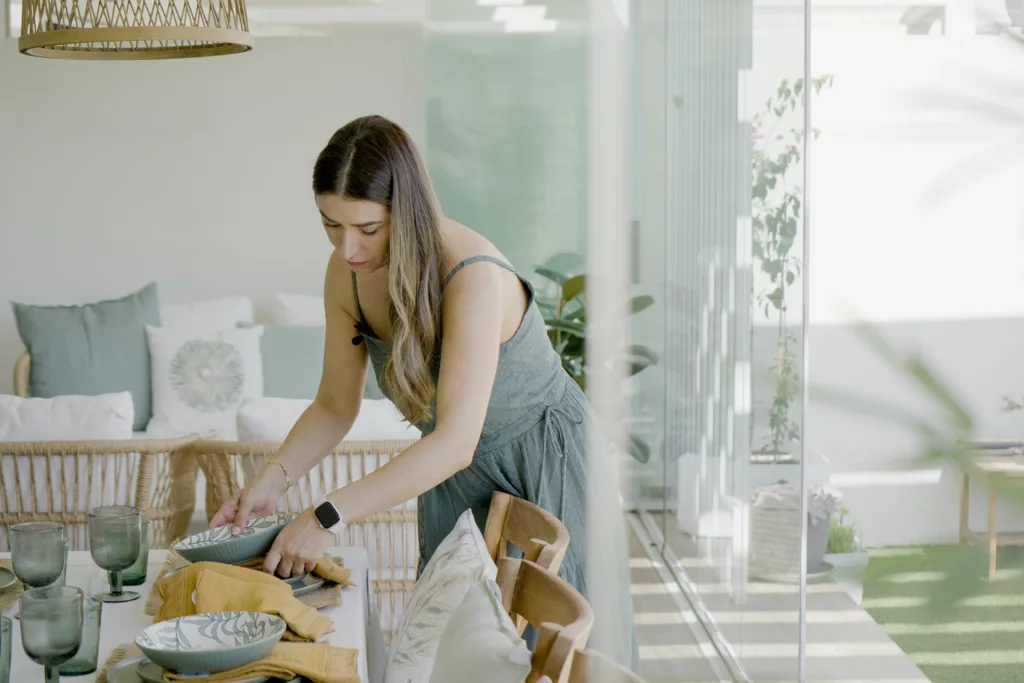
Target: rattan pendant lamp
(133, 29)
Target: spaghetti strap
(359, 307)
(473, 259)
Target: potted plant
(845, 553)
(775, 529)
(776, 213)
(565, 315)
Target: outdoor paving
(844, 644)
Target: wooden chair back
(539, 534)
(562, 617)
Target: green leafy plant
(1011, 405)
(776, 209)
(565, 315)
(842, 537)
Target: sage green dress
(531, 446)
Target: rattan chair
(562, 616)
(62, 480)
(390, 538)
(22, 370)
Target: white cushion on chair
(46, 483)
(270, 419)
(460, 561)
(298, 309)
(480, 637)
(211, 314)
(66, 418)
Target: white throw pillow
(481, 637)
(66, 418)
(201, 377)
(298, 309)
(209, 315)
(270, 419)
(460, 561)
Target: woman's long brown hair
(373, 159)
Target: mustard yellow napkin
(226, 588)
(318, 663)
(327, 568)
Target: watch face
(327, 515)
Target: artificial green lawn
(978, 638)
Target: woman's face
(359, 230)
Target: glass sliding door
(717, 206)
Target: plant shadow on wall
(565, 315)
(776, 211)
(996, 105)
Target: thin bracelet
(287, 477)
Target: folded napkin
(318, 663)
(327, 568)
(227, 588)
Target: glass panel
(718, 198)
(924, 129)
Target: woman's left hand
(298, 547)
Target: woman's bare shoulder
(462, 243)
(339, 295)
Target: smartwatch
(329, 517)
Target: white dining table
(356, 623)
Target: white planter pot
(849, 572)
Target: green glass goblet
(51, 626)
(115, 540)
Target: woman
(458, 345)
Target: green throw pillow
(92, 349)
(293, 359)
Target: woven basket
(774, 541)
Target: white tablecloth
(356, 624)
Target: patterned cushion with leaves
(459, 562)
(481, 637)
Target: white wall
(917, 220)
(917, 224)
(193, 173)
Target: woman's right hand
(256, 500)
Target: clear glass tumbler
(6, 626)
(135, 575)
(86, 659)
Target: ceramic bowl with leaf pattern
(219, 545)
(209, 643)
